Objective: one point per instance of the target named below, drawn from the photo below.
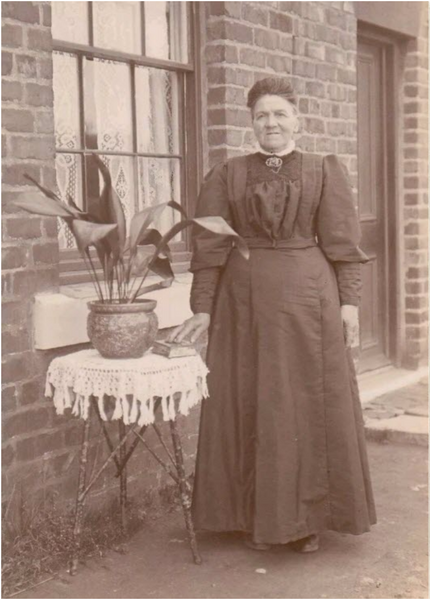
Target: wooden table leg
(184, 491)
(123, 481)
(80, 499)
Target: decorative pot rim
(138, 306)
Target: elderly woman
(281, 452)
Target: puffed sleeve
(338, 229)
(209, 251)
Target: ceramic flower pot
(122, 330)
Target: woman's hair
(275, 86)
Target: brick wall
(30, 249)
(415, 185)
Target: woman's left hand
(349, 314)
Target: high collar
(290, 148)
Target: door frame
(391, 67)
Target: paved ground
(400, 416)
(389, 562)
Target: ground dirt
(389, 562)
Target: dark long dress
(281, 449)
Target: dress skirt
(281, 450)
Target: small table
(84, 382)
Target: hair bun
(276, 86)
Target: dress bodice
(268, 193)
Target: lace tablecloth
(133, 383)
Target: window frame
(72, 267)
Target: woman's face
(274, 120)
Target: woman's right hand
(192, 328)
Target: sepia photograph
(215, 299)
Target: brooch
(274, 163)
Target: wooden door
(376, 215)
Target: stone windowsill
(60, 319)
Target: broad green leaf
(178, 207)
(113, 206)
(151, 288)
(34, 202)
(154, 237)
(161, 267)
(139, 263)
(88, 234)
(215, 224)
(141, 221)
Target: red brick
(281, 22)
(347, 76)
(313, 125)
(411, 91)
(31, 392)
(15, 341)
(280, 64)
(26, 449)
(13, 257)
(26, 65)
(337, 92)
(221, 53)
(225, 94)
(23, 283)
(37, 147)
(228, 9)
(39, 39)
(229, 116)
(47, 253)
(417, 273)
(286, 43)
(23, 227)
(6, 63)
(416, 302)
(45, 68)
(254, 13)
(314, 51)
(26, 422)
(7, 456)
(14, 174)
(44, 122)
(411, 183)
(327, 145)
(304, 68)
(46, 15)
(411, 137)
(326, 72)
(27, 12)
(337, 128)
(15, 313)
(315, 88)
(47, 279)
(17, 120)
(11, 35)
(336, 18)
(230, 137)
(39, 95)
(252, 57)
(231, 75)
(50, 227)
(347, 146)
(47, 442)
(266, 39)
(8, 399)
(224, 30)
(414, 318)
(16, 367)
(11, 91)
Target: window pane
(160, 181)
(66, 102)
(117, 26)
(108, 114)
(157, 113)
(122, 172)
(70, 22)
(166, 31)
(69, 183)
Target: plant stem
(96, 279)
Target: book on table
(173, 349)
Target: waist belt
(254, 242)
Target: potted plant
(120, 323)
